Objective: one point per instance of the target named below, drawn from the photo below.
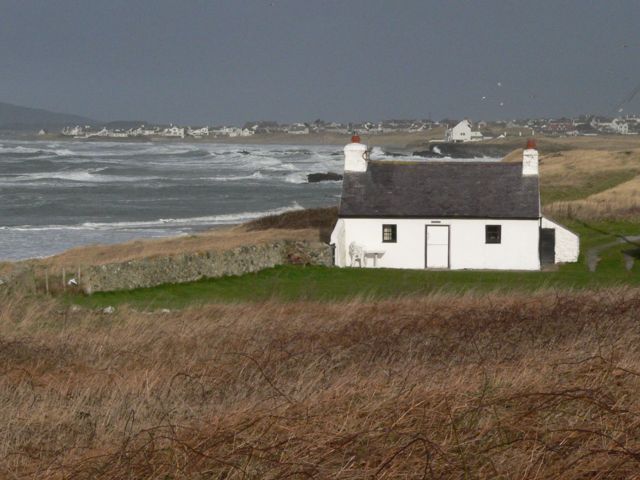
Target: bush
(324, 219)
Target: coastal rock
(323, 177)
(464, 150)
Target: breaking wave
(211, 220)
(78, 176)
(235, 178)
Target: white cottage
(445, 215)
(462, 132)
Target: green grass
(289, 283)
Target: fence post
(46, 281)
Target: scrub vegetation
(437, 386)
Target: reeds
(431, 387)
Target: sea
(55, 195)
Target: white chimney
(355, 156)
(530, 159)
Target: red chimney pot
(531, 144)
(355, 139)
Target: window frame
(394, 232)
(490, 240)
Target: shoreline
(396, 140)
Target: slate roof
(440, 190)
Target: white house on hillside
(462, 133)
(198, 132)
(174, 131)
(298, 129)
(445, 215)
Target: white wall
(567, 243)
(518, 250)
(341, 248)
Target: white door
(437, 246)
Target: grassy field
(311, 283)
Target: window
(389, 233)
(493, 233)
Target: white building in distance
(298, 129)
(462, 133)
(198, 132)
(174, 131)
(445, 215)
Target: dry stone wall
(189, 267)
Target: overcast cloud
(231, 61)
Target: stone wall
(189, 267)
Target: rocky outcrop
(465, 150)
(189, 267)
(323, 177)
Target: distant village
(454, 130)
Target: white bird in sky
(499, 84)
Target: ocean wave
(167, 223)
(299, 177)
(193, 154)
(377, 152)
(18, 149)
(78, 176)
(132, 150)
(27, 153)
(234, 178)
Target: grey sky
(235, 60)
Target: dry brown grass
(573, 167)
(592, 176)
(321, 219)
(569, 168)
(438, 387)
(214, 240)
(619, 202)
(590, 184)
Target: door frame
(426, 245)
(540, 245)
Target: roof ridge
(428, 161)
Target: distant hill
(14, 117)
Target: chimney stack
(355, 156)
(530, 159)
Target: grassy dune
(491, 386)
